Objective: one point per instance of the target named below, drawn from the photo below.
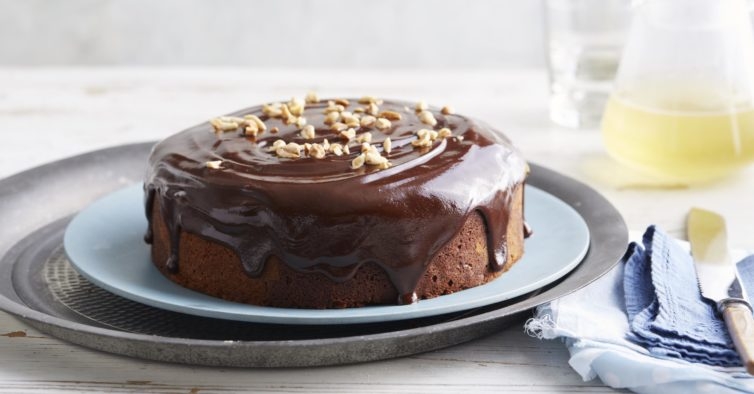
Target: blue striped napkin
(644, 326)
(666, 311)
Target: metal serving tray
(39, 286)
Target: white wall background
(272, 33)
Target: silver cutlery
(708, 237)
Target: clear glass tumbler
(584, 39)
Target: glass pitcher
(682, 105)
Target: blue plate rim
(424, 308)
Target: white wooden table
(48, 114)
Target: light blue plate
(105, 244)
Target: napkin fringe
(537, 327)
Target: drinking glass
(584, 39)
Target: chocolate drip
(148, 202)
(319, 215)
(497, 249)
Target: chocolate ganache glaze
(322, 215)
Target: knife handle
(738, 317)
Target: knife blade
(708, 237)
(745, 279)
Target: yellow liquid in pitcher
(682, 144)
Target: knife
(709, 247)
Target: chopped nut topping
(332, 117)
(426, 117)
(296, 106)
(390, 115)
(348, 134)
(353, 122)
(311, 98)
(364, 137)
(420, 106)
(251, 129)
(261, 127)
(382, 123)
(424, 138)
(331, 106)
(371, 157)
(372, 109)
(293, 147)
(343, 122)
(368, 121)
(374, 158)
(272, 110)
(281, 152)
(226, 123)
(370, 100)
(336, 149)
(214, 164)
(317, 151)
(276, 145)
(254, 125)
(349, 119)
(338, 127)
(427, 132)
(367, 147)
(291, 150)
(286, 114)
(358, 162)
(308, 132)
(300, 122)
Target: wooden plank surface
(508, 361)
(48, 114)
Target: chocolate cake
(335, 203)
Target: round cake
(335, 203)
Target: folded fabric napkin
(666, 312)
(645, 326)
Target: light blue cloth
(594, 324)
